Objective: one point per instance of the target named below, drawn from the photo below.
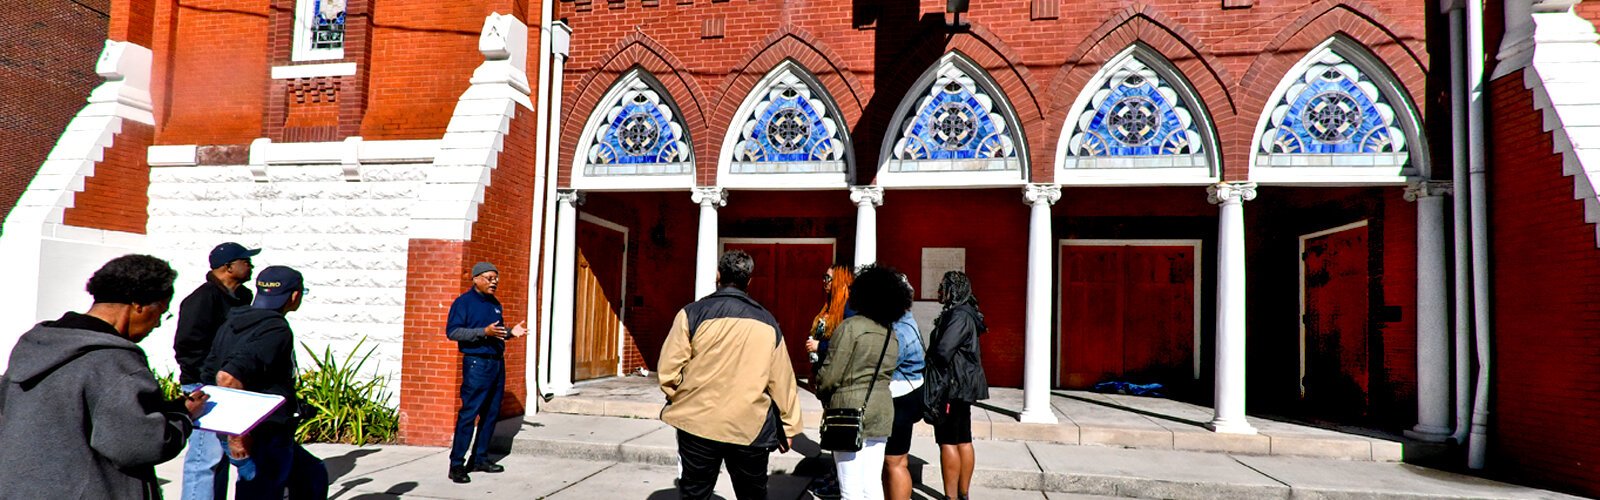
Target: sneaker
(459, 475)
(491, 468)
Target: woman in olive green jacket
(861, 356)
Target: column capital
(1425, 189)
(1223, 193)
(569, 196)
(711, 196)
(1048, 194)
(862, 195)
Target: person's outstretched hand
(520, 330)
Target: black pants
(702, 460)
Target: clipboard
(233, 411)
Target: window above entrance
(786, 134)
(957, 124)
(1337, 116)
(634, 133)
(1137, 122)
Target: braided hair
(956, 289)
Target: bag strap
(887, 336)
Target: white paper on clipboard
(234, 411)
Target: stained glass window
(789, 130)
(327, 24)
(1137, 119)
(1332, 108)
(955, 125)
(638, 133)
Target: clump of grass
(350, 409)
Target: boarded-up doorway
(1335, 354)
(598, 306)
(788, 282)
(1129, 312)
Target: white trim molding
(313, 70)
(1561, 76)
(470, 149)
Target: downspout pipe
(1478, 437)
(1461, 211)
(539, 237)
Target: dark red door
(1337, 358)
(788, 282)
(1127, 313)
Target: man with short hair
(254, 351)
(730, 388)
(477, 324)
(81, 416)
(205, 474)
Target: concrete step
(1104, 428)
(1049, 468)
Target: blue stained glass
(327, 28)
(1334, 115)
(790, 129)
(639, 134)
(1138, 115)
(955, 125)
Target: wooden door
(1336, 369)
(597, 315)
(1127, 313)
(788, 282)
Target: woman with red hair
(836, 286)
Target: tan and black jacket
(726, 373)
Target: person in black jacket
(254, 351)
(81, 415)
(205, 474)
(956, 380)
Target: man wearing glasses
(478, 327)
(205, 474)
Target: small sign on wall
(936, 262)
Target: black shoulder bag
(841, 427)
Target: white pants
(861, 472)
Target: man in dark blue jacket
(478, 327)
(254, 351)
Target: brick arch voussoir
(641, 51)
(1146, 25)
(841, 84)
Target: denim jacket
(909, 368)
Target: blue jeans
(483, 385)
(205, 473)
(282, 464)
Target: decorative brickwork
(115, 197)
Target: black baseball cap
(229, 252)
(274, 286)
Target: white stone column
(867, 200)
(1036, 353)
(1230, 383)
(1433, 309)
(705, 273)
(565, 290)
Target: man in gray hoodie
(81, 415)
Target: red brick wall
(52, 46)
(1546, 275)
(212, 73)
(430, 376)
(116, 196)
(131, 20)
(422, 55)
(1233, 57)
(437, 272)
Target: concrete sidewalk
(1084, 418)
(579, 457)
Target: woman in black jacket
(955, 372)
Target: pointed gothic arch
(1138, 121)
(788, 133)
(635, 139)
(956, 129)
(1338, 116)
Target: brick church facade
(1304, 211)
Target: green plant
(170, 388)
(349, 409)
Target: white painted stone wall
(348, 239)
